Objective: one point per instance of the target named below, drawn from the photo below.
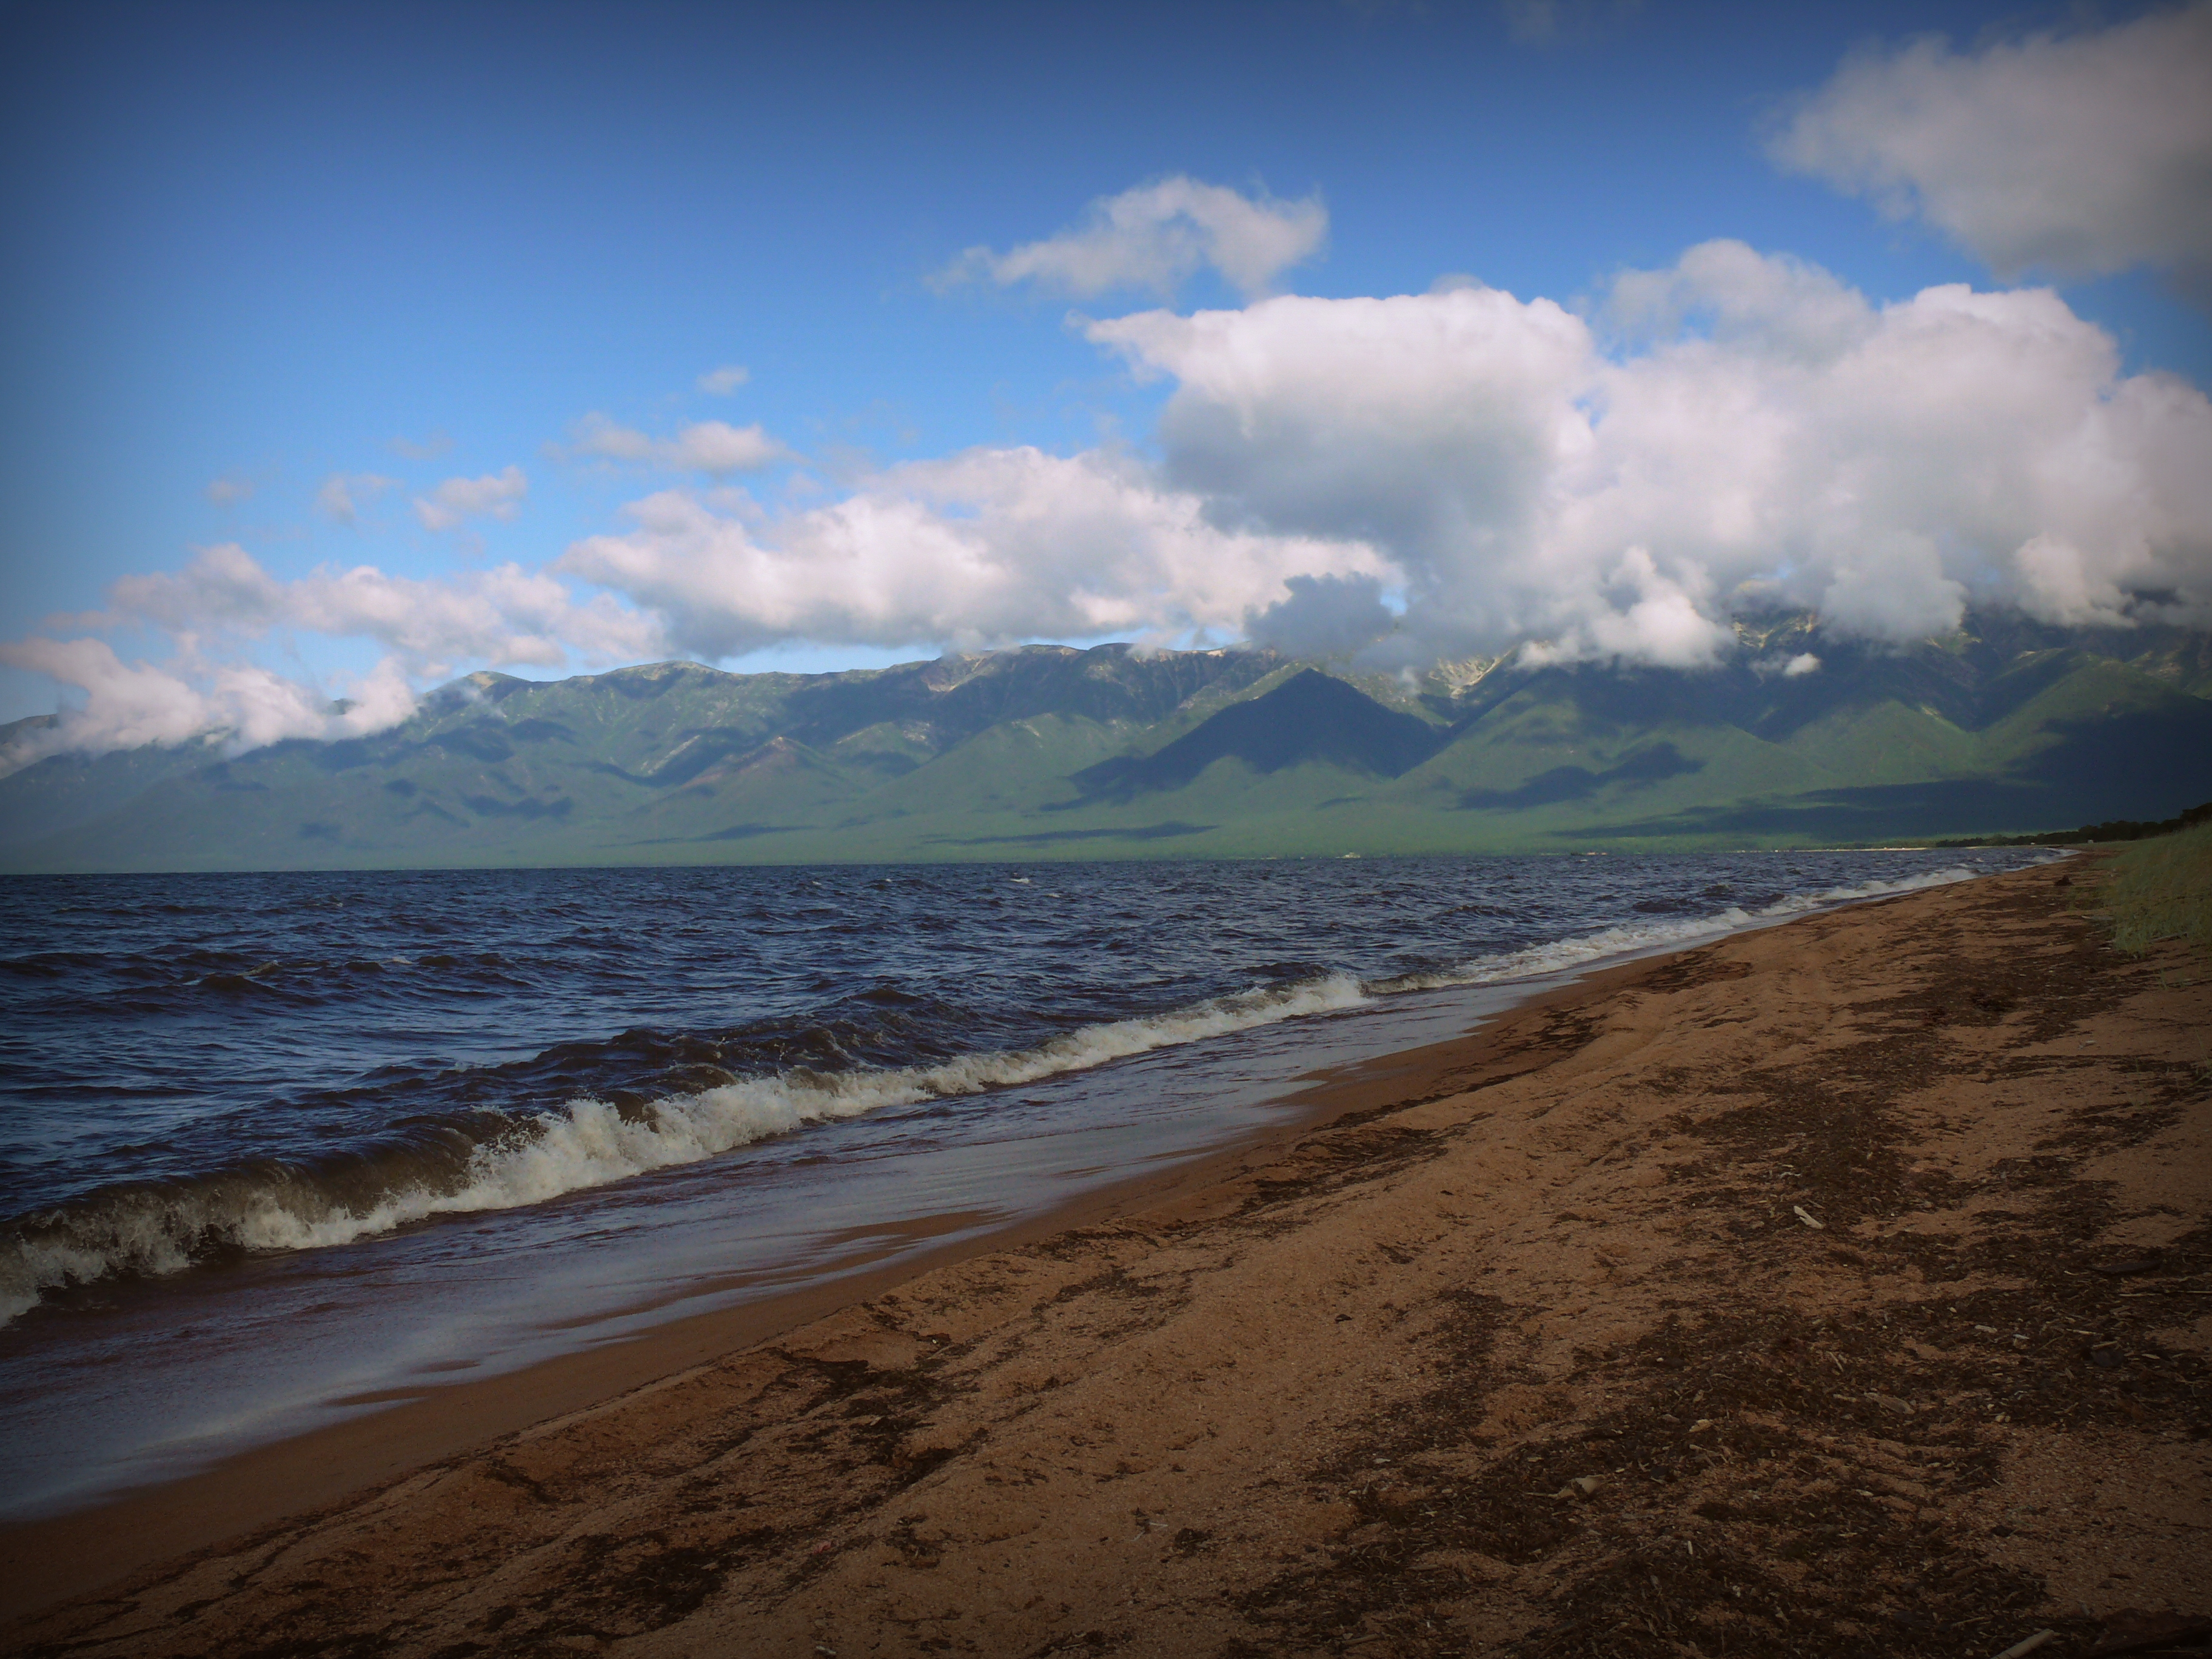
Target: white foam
(589, 1143)
(1637, 938)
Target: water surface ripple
(198, 1067)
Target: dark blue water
(192, 1064)
(347, 1124)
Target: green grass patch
(2162, 889)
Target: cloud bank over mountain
(1737, 430)
(1421, 476)
(1409, 477)
(1759, 434)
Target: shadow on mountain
(956, 697)
(702, 752)
(1564, 783)
(1309, 717)
(1986, 672)
(482, 741)
(735, 832)
(486, 807)
(2131, 765)
(1856, 814)
(541, 731)
(1051, 837)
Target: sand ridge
(1832, 1290)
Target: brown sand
(1539, 1351)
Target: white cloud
(1323, 616)
(2078, 154)
(230, 490)
(720, 382)
(1789, 668)
(231, 706)
(344, 494)
(713, 447)
(717, 448)
(426, 449)
(600, 438)
(1429, 475)
(983, 548)
(496, 495)
(505, 617)
(1767, 434)
(223, 600)
(1156, 235)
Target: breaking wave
(161, 1227)
(488, 1162)
(1636, 939)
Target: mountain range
(1048, 752)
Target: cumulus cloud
(721, 382)
(1323, 616)
(223, 600)
(1761, 434)
(1425, 476)
(2078, 154)
(506, 617)
(983, 548)
(713, 447)
(344, 494)
(496, 495)
(423, 449)
(1156, 235)
(717, 448)
(229, 707)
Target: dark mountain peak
(1310, 716)
(2004, 725)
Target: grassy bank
(2162, 890)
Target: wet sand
(1834, 1289)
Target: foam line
(162, 1228)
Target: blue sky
(256, 249)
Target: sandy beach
(1836, 1289)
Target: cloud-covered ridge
(1760, 432)
(1408, 478)
(984, 547)
(223, 600)
(230, 706)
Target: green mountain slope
(1048, 751)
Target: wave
(1639, 938)
(158, 1228)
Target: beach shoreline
(1448, 1205)
(49, 1559)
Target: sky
(351, 348)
